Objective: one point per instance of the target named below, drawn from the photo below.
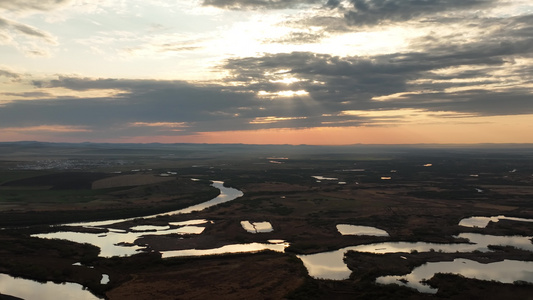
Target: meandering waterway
(118, 242)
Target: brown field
(128, 180)
(249, 276)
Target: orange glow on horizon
(500, 129)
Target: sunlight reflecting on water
(507, 271)
(346, 229)
(33, 290)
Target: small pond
(257, 227)
(324, 178)
(105, 279)
(347, 229)
(507, 271)
(482, 222)
(33, 290)
(278, 246)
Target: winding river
(226, 194)
(113, 243)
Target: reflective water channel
(507, 271)
(118, 242)
(330, 265)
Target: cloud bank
(458, 60)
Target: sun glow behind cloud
(286, 93)
(271, 119)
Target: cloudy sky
(267, 71)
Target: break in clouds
(483, 70)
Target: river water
(115, 242)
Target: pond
(274, 245)
(507, 271)
(257, 227)
(324, 178)
(33, 290)
(116, 243)
(105, 279)
(347, 229)
(482, 222)
(330, 265)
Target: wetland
(135, 219)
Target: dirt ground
(249, 276)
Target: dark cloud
(477, 102)
(138, 101)
(9, 74)
(259, 4)
(353, 82)
(329, 79)
(29, 94)
(333, 3)
(372, 12)
(356, 15)
(335, 84)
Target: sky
(321, 72)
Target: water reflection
(105, 279)
(330, 265)
(257, 227)
(33, 290)
(226, 194)
(346, 229)
(507, 271)
(482, 222)
(149, 228)
(324, 178)
(189, 222)
(236, 248)
(118, 242)
(115, 243)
